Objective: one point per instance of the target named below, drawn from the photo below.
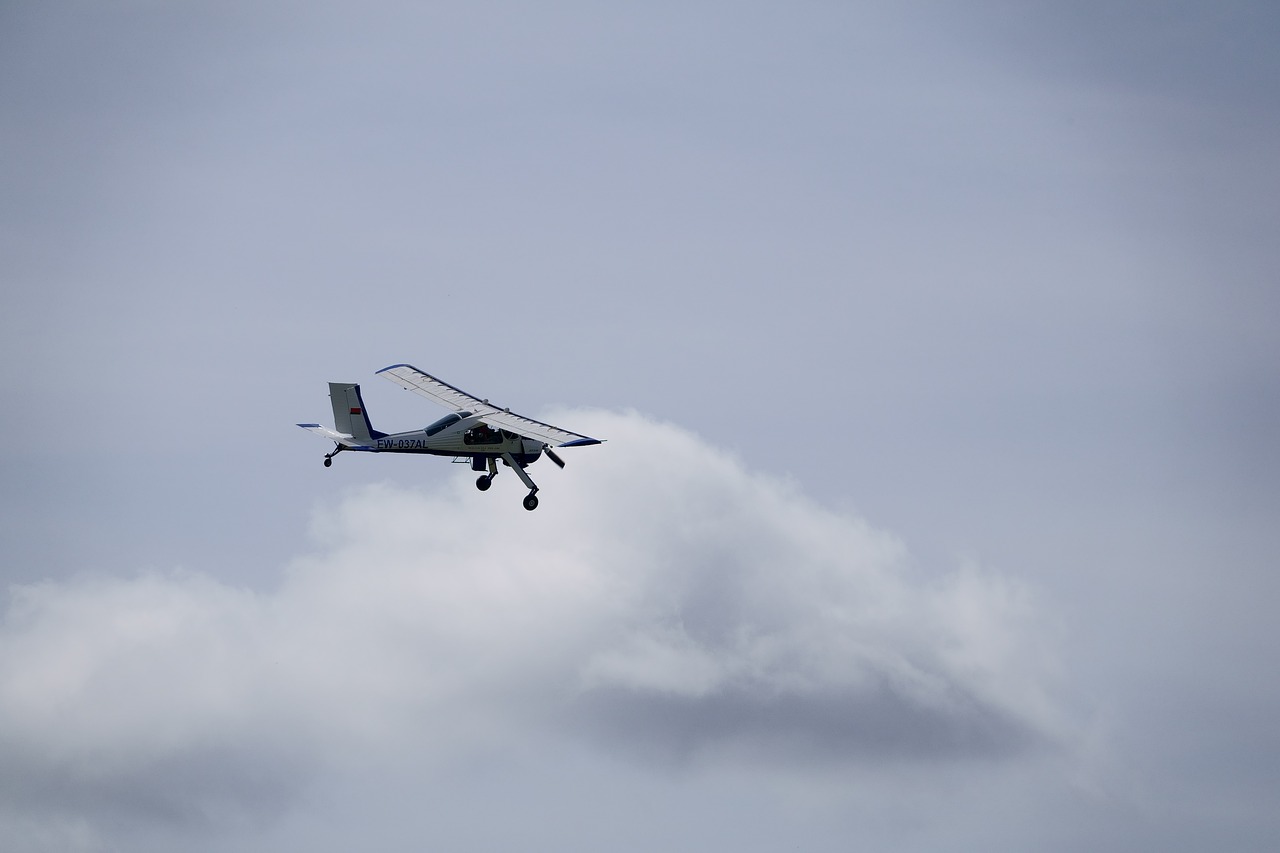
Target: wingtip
(581, 442)
(393, 367)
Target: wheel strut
(531, 500)
(328, 457)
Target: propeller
(546, 448)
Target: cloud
(663, 600)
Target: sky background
(935, 346)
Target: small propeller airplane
(475, 429)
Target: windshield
(445, 422)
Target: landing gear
(531, 500)
(484, 481)
(328, 457)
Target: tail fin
(349, 415)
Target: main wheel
(327, 462)
(483, 482)
(531, 502)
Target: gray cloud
(751, 722)
(699, 612)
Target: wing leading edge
(437, 391)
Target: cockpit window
(482, 434)
(444, 423)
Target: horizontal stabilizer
(345, 439)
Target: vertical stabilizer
(349, 415)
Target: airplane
(475, 429)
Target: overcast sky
(935, 346)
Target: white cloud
(662, 597)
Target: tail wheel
(327, 462)
(531, 502)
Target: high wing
(411, 378)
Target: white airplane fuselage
(460, 440)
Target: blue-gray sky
(936, 349)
